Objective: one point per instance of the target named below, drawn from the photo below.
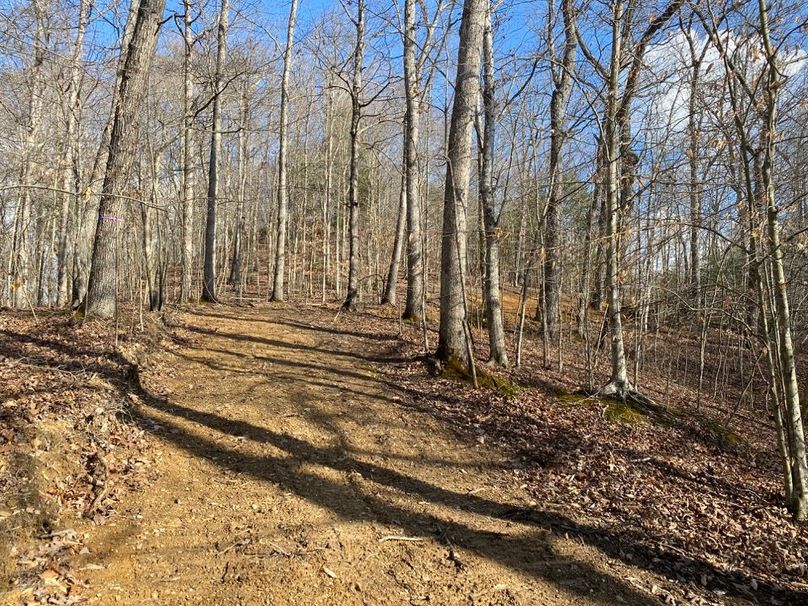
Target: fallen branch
(395, 537)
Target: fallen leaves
(666, 497)
(66, 448)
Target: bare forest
(403, 302)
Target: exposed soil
(279, 455)
(293, 472)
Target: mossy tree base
(454, 368)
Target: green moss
(455, 369)
(625, 413)
(500, 385)
(413, 319)
(723, 436)
(571, 399)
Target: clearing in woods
(291, 473)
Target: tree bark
(451, 334)
(283, 193)
(22, 272)
(187, 143)
(491, 279)
(352, 295)
(562, 82)
(391, 285)
(71, 178)
(209, 269)
(618, 383)
(414, 308)
(102, 286)
(235, 278)
(799, 465)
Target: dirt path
(290, 473)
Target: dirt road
(290, 472)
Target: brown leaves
(65, 447)
(663, 495)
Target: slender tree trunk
(283, 193)
(187, 143)
(694, 127)
(148, 234)
(491, 280)
(241, 220)
(618, 383)
(452, 334)
(413, 310)
(102, 286)
(22, 274)
(799, 466)
(352, 295)
(562, 80)
(71, 177)
(209, 277)
(391, 285)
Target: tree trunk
(187, 143)
(618, 383)
(451, 335)
(241, 220)
(562, 80)
(799, 466)
(414, 308)
(71, 177)
(283, 193)
(391, 285)
(694, 127)
(22, 275)
(209, 270)
(102, 286)
(352, 295)
(491, 280)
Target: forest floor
(291, 458)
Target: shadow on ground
(529, 549)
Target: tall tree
(283, 192)
(209, 270)
(452, 337)
(187, 143)
(102, 286)
(620, 91)
(352, 295)
(414, 308)
(798, 503)
(562, 72)
(71, 177)
(491, 280)
(21, 263)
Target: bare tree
(352, 294)
(491, 215)
(102, 286)
(283, 193)
(617, 112)
(187, 143)
(562, 72)
(452, 334)
(209, 270)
